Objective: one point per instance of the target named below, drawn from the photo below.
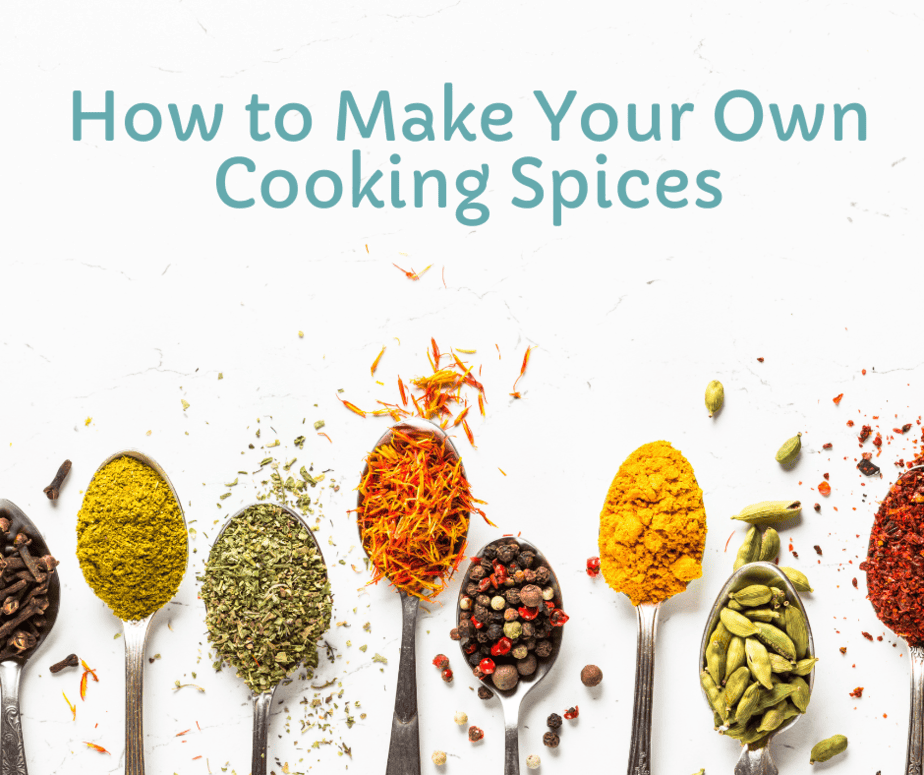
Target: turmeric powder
(653, 525)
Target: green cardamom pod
(715, 662)
(721, 635)
(826, 749)
(776, 639)
(715, 396)
(749, 550)
(747, 704)
(797, 579)
(769, 512)
(735, 656)
(776, 695)
(790, 450)
(769, 545)
(758, 661)
(737, 624)
(735, 687)
(762, 615)
(794, 622)
(805, 666)
(802, 694)
(780, 664)
(754, 595)
(735, 606)
(773, 717)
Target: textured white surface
(127, 286)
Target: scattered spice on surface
(461, 718)
(653, 525)
(857, 693)
(69, 661)
(867, 467)
(475, 734)
(54, 489)
(591, 675)
(837, 398)
(867, 635)
(533, 761)
(267, 596)
(824, 489)
(593, 566)
(408, 480)
(553, 721)
(131, 538)
(550, 740)
(96, 747)
(572, 713)
(514, 391)
(438, 758)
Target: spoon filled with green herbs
(268, 602)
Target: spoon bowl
(756, 759)
(135, 636)
(12, 749)
(511, 699)
(404, 745)
(263, 700)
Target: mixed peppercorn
(508, 613)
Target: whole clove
(70, 660)
(54, 489)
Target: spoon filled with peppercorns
(412, 512)
(510, 623)
(30, 593)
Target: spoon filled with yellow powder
(652, 533)
(132, 544)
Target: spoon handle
(916, 717)
(261, 709)
(12, 752)
(640, 747)
(756, 761)
(404, 748)
(135, 635)
(512, 743)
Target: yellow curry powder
(131, 539)
(653, 525)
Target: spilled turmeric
(653, 525)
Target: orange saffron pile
(414, 513)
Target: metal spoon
(404, 746)
(135, 636)
(263, 701)
(12, 751)
(512, 699)
(914, 757)
(756, 760)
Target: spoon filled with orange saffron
(652, 534)
(413, 512)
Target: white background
(127, 286)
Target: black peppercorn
(485, 693)
(529, 576)
(498, 618)
(487, 567)
(529, 631)
(506, 552)
(543, 576)
(454, 634)
(511, 614)
(483, 599)
(490, 552)
(495, 632)
(486, 649)
(512, 596)
(482, 636)
(464, 616)
(527, 559)
(471, 590)
(466, 627)
(477, 573)
(544, 648)
(543, 630)
(553, 721)
(481, 612)
(550, 739)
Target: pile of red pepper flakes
(895, 561)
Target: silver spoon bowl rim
(544, 665)
(54, 582)
(147, 460)
(731, 585)
(417, 425)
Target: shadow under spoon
(756, 759)
(404, 745)
(135, 636)
(512, 699)
(263, 700)
(12, 750)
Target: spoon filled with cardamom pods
(757, 661)
(30, 592)
(133, 549)
(268, 602)
(413, 512)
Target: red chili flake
(96, 747)
(760, 360)
(867, 635)
(515, 394)
(867, 467)
(593, 566)
(863, 372)
(475, 734)
(441, 661)
(826, 476)
(484, 583)
(827, 446)
(854, 582)
(572, 713)
(878, 440)
(558, 618)
(817, 507)
(795, 554)
(447, 675)
(825, 489)
(867, 455)
(837, 398)
(528, 613)
(849, 423)
(501, 648)
(817, 549)
(487, 666)
(843, 649)
(906, 427)
(865, 431)
(857, 693)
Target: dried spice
(131, 539)
(894, 565)
(54, 489)
(653, 525)
(868, 467)
(414, 512)
(267, 596)
(69, 661)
